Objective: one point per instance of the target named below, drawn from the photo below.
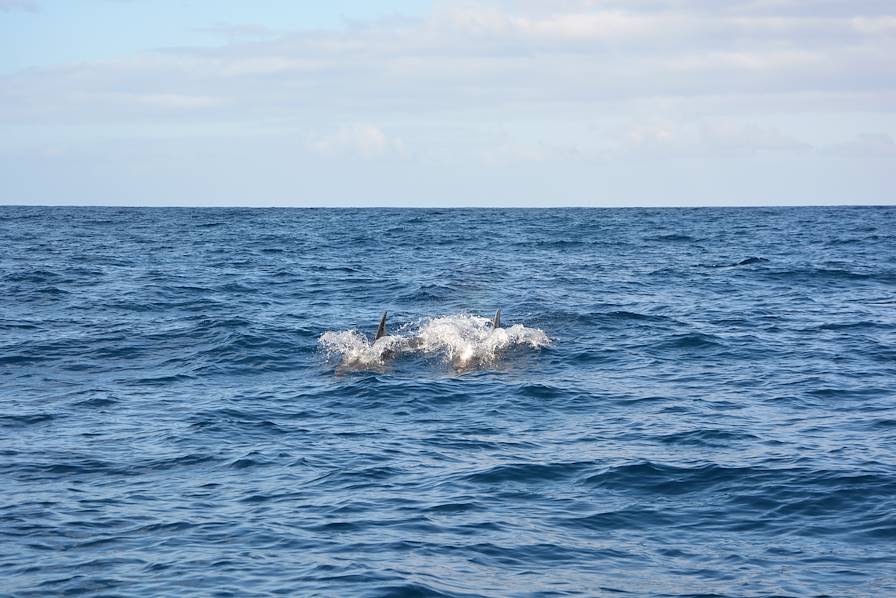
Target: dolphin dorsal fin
(496, 323)
(381, 330)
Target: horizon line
(450, 207)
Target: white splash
(464, 341)
(469, 341)
(355, 351)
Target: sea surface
(678, 402)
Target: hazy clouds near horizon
(569, 102)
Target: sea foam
(464, 341)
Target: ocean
(678, 402)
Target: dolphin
(386, 347)
(381, 329)
(390, 349)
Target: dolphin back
(381, 330)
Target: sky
(437, 103)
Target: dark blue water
(715, 413)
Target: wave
(671, 237)
(25, 419)
(822, 274)
(706, 437)
(692, 340)
(464, 341)
(750, 261)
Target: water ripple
(679, 402)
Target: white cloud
(544, 90)
(166, 101)
(552, 63)
(710, 139)
(573, 26)
(240, 31)
(523, 58)
(866, 145)
(518, 58)
(27, 5)
(514, 153)
(366, 141)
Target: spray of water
(463, 341)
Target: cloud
(26, 5)
(519, 89)
(516, 152)
(866, 145)
(366, 141)
(517, 57)
(239, 32)
(165, 101)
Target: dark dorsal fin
(381, 331)
(496, 323)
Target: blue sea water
(711, 409)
